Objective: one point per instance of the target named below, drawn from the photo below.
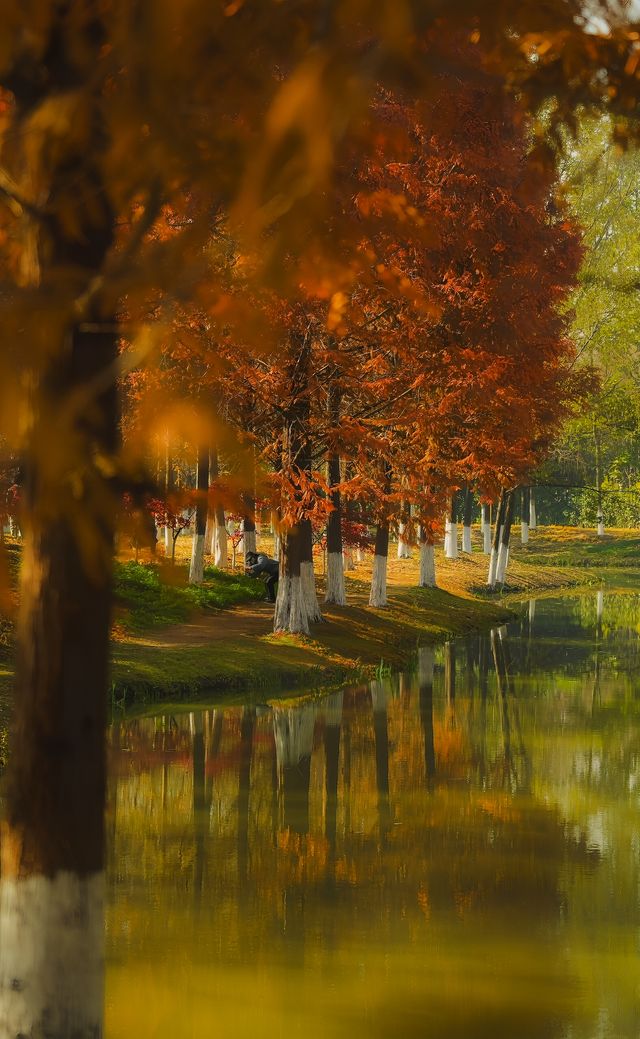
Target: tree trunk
(52, 888)
(307, 573)
(467, 519)
(486, 529)
(451, 533)
(427, 574)
(196, 570)
(335, 592)
(524, 516)
(249, 540)
(378, 595)
(505, 537)
(404, 549)
(219, 547)
(599, 514)
(495, 547)
(291, 611)
(169, 487)
(533, 521)
(347, 550)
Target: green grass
(145, 599)
(585, 551)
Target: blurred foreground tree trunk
(51, 918)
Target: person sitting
(256, 564)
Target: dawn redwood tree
(196, 569)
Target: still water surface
(449, 852)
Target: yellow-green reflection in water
(452, 852)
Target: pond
(453, 851)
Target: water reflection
(452, 851)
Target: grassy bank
(235, 650)
(173, 642)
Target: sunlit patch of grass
(144, 600)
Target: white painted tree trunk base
(447, 538)
(308, 579)
(196, 570)
(503, 562)
(359, 555)
(290, 612)
(168, 541)
(533, 523)
(451, 549)
(486, 539)
(524, 533)
(466, 539)
(427, 577)
(493, 568)
(347, 558)
(52, 957)
(336, 592)
(220, 547)
(601, 529)
(378, 595)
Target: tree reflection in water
(455, 854)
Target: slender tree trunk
(427, 574)
(378, 594)
(404, 549)
(275, 521)
(486, 529)
(600, 513)
(533, 521)
(347, 550)
(467, 520)
(249, 540)
(524, 520)
(451, 532)
(495, 547)
(196, 570)
(307, 573)
(336, 592)
(505, 538)
(219, 546)
(169, 487)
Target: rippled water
(451, 852)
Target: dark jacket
(264, 565)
